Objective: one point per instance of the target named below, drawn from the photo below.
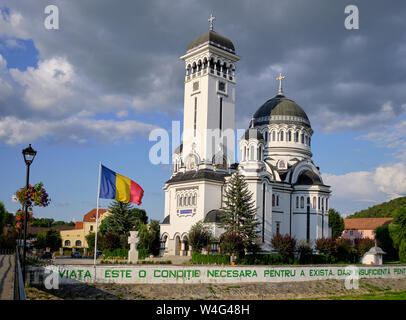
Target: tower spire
(280, 78)
(211, 19)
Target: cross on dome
(211, 19)
(280, 78)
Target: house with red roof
(363, 227)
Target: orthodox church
(275, 156)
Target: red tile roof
(91, 215)
(79, 225)
(366, 223)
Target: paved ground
(6, 276)
(248, 291)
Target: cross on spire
(280, 78)
(211, 19)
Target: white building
(275, 156)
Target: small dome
(214, 39)
(280, 106)
(252, 133)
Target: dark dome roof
(214, 216)
(308, 178)
(252, 133)
(280, 106)
(214, 39)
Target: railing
(18, 283)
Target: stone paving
(6, 276)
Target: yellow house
(76, 238)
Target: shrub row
(116, 253)
(142, 253)
(210, 258)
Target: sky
(92, 91)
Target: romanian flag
(115, 186)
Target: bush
(199, 236)
(142, 253)
(284, 245)
(210, 258)
(326, 245)
(305, 252)
(402, 251)
(116, 253)
(346, 253)
(363, 245)
(109, 241)
(232, 243)
(262, 259)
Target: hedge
(142, 253)
(210, 258)
(116, 253)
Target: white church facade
(275, 156)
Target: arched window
(322, 204)
(289, 138)
(266, 136)
(297, 202)
(314, 202)
(326, 204)
(78, 243)
(277, 201)
(273, 200)
(259, 153)
(318, 203)
(301, 202)
(296, 136)
(194, 68)
(273, 135)
(67, 243)
(194, 199)
(178, 200)
(302, 137)
(281, 135)
(252, 153)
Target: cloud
(354, 189)
(74, 130)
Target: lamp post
(29, 155)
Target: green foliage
(199, 236)
(386, 243)
(90, 239)
(124, 217)
(402, 251)
(305, 252)
(239, 212)
(336, 223)
(49, 239)
(49, 222)
(232, 243)
(284, 244)
(116, 253)
(3, 217)
(262, 259)
(383, 210)
(346, 253)
(397, 229)
(210, 258)
(142, 253)
(149, 237)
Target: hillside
(383, 210)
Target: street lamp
(29, 155)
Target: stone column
(61, 251)
(182, 249)
(133, 240)
(84, 252)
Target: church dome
(213, 38)
(280, 109)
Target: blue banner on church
(186, 211)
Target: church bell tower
(209, 102)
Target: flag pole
(97, 219)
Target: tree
(326, 245)
(124, 217)
(232, 243)
(402, 251)
(385, 242)
(199, 236)
(150, 237)
(109, 241)
(336, 223)
(49, 239)
(3, 218)
(363, 245)
(305, 251)
(397, 229)
(284, 244)
(239, 212)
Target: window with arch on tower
(281, 135)
(302, 138)
(273, 200)
(302, 202)
(314, 202)
(297, 202)
(273, 135)
(289, 138)
(296, 136)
